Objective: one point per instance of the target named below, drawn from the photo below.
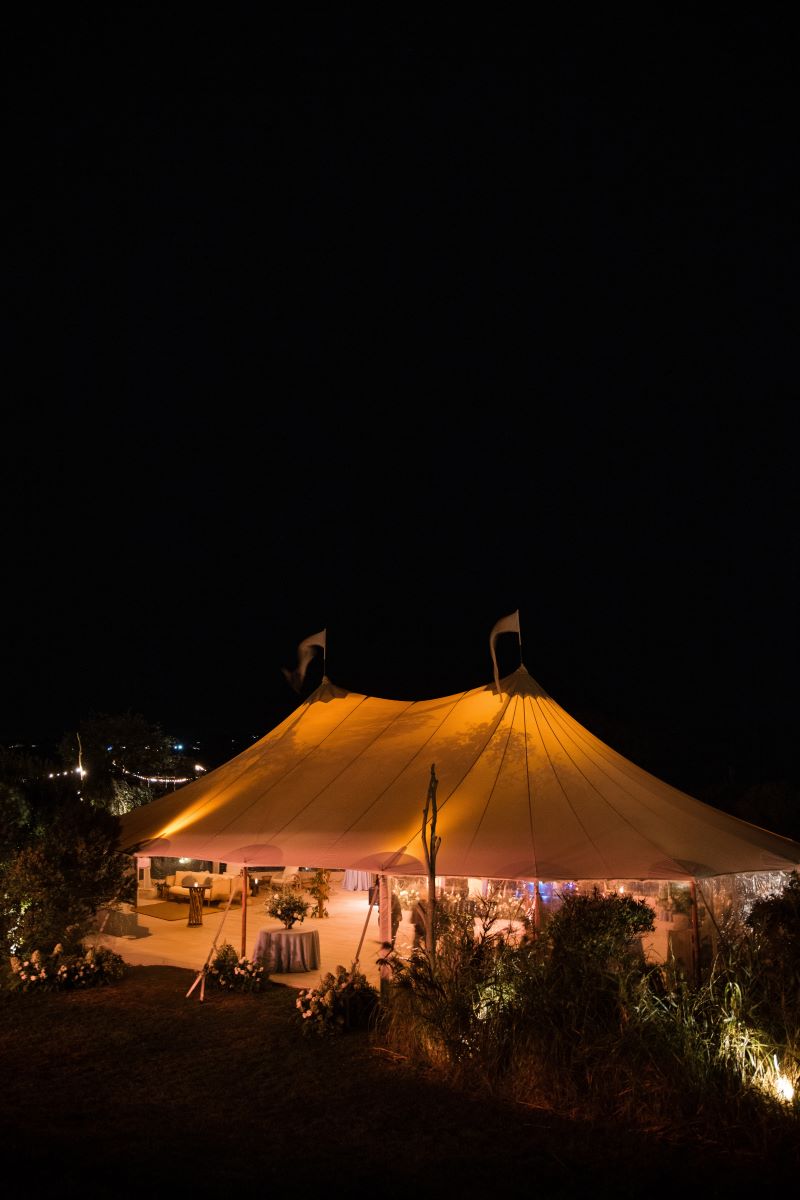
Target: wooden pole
(537, 907)
(201, 977)
(384, 909)
(430, 844)
(364, 932)
(244, 912)
(695, 933)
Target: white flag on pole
(305, 653)
(509, 624)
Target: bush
(50, 889)
(59, 970)
(775, 925)
(576, 1020)
(344, 1000)
(236, 974)
(456, 1013)
(598, 931)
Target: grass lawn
(134, 1089)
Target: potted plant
(288, 906)
(320, 889)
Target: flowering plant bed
(236, 974)
(86, 967)
(342, 1001)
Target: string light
(82, 772)
(157, 778)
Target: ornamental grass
(575, 1021)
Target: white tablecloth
(285, 950)
(358, 881)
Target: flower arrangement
(288, 906)
(344, 1000)
(236, 974)
(59, 971)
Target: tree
(51, 887)
(31, 791)
(775, 922)
(121, 755)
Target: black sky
(393, 332)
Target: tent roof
(524, 792)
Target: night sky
(393, 332)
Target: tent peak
(327, 691)
(521, 683)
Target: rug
(166, 911)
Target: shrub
(59, 970)
(576, 1020)
(775, 925)
(342, 1001)
(52, 887)
(598, 931)
(455, 1013)
(236, 974)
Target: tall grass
(575, 1020)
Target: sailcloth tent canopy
(524, 792)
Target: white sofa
(220, 890)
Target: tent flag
(304, 652)
(509, 624)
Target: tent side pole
(384, 909)
(244, 912)
(537, 908)
(202, 972)
(364, 932)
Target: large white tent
(524, 792)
